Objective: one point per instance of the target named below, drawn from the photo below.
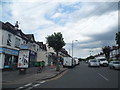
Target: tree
(56, 42)
(117, 38)
(90, 57)
(106, 51)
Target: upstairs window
(9, 40)
(34, 46)
(17, 42)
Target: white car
(94, 63)
(114, 65)
(103, 62)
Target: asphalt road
(83, 76)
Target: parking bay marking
(103, 76)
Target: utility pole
(72, 46)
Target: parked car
(114, 65)
(103, 62)
(94, 63)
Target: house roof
(28, 37)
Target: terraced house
(12, 40)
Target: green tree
(106, 50)
(118, 38)
(90, 57)
(56, 41)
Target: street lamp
(91, 52)
(72, 46)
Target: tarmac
(13, 76)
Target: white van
(76, 61)
(68, 62)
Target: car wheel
(113, 67)
(110, 67)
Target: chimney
(16, 25)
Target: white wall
(2, 56)
(0, 37)
(42, 56)
(1, 61)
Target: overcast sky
(94, 24)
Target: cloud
(92, 23)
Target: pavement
(13, 77)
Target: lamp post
(72, 46)
(91, 52)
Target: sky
(89, 24)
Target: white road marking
(28, 84)
(29, 88)
(43, 82)
(103, 76)
(36, 85)
(19, 88)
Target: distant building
(115, 52)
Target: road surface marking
(103, 77)
(29, 88)
(28, 84)
(36, 85)
(43, 82)
(19, 88)
(59, 76)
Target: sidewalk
(13, 77)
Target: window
(24, 42)
(17, 42)
(9, 40)
(34, 46)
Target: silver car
(94, 63)
(114, 65)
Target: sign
(23, 59)
(9, 51)
(24, 46)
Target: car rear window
(116, 62)
(102, 59)
(94, 61)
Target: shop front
(32, 60)
(9, 58)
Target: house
(115, 52)
(12, 41)
(9, 45)
(42, 53)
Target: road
(81, 76)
